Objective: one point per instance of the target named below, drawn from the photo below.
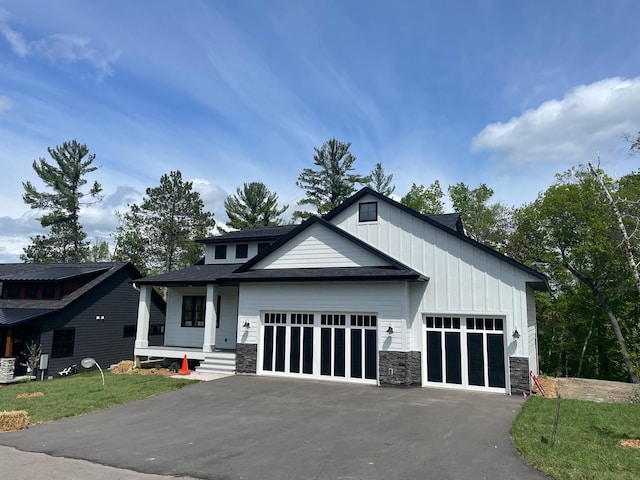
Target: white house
(373, 292)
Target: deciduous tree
(426, 200)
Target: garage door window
(465, 352)
(338, 345)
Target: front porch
(200, 322)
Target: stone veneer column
(400, 368)
(7, 366)
(246, 358)
(519, 375)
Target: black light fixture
(246, 325)
(390, 330)
(516, 334)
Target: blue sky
(501, 92)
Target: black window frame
(242, 250)
(365, 214)
(129, 331)
(262, 247)
(220, 252)
(60, 346)
(193, 306)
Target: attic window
(242, 250)
(368, 212)
(262, 247)
(221, 252)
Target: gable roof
(250, 235)
(444, 223)
(317, 220)
(15, 311)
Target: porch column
(210, 319)
(144, 307)
(8, 350)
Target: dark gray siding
(115, 299)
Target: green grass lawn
(83, 393)
(587, 440)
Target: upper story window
(368, 212)
(262, 247)
(13, 291)
(242, 250)
(30, 291)
(49, 292)
(221, 252)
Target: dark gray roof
(14, 311)
(47, 271)
(13, 316)
(323, 274)
(251, 235)
(193, 275)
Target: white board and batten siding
(174, 334)
(464, 279)
(319, 247)
(387, 300)
(209, 254)
(226, 333)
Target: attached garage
(339, 346)
(465, 352)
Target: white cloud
(588, 119)
(74, 49)
(59, 48)
(17, 42)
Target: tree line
(580, 232)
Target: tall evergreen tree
(332, 183)
(66, 241)
(158, 235)
(380, 182)
(253, 205)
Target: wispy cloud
(5, 104)
(588, 119)
(59, 48)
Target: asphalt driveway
(244, 427)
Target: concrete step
(218, 362)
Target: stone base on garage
(246, 358)
(519, 375)
(400, 368)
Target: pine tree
(158, 235)
(332, 183)
(254, 205)
(66, 241)
(380, 182)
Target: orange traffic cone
(184, 370)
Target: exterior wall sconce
(99, 318)
(390, 330)
(516, 334)
(246, 325)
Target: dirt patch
(587, 389)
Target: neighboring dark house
(73, 311)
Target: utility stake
(555, 423)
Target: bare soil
(587, 389)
